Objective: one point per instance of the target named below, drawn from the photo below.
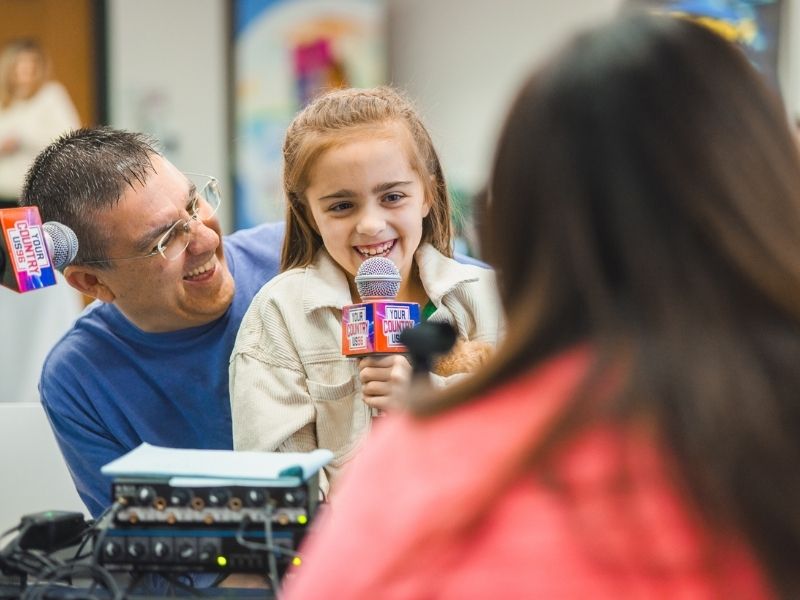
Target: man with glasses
(149, 362)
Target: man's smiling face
(154, 293)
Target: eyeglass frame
(187, 223)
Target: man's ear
(89, 282)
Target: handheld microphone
(31, 252)
(374, 325)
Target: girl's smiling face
(365, 199)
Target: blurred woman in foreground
(638, 434)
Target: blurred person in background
(637, 434)
(34, 110)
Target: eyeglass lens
(177, 238)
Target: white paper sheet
(245, 467)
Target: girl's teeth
(376, 249)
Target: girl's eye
(394, 197)
(340, 206)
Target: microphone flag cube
(375, 327)
(26, 265)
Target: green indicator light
(222, 561)
(302, 519)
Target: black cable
(269, 547)
(91, 532)
(29, 562)
(82, 536)
(14, 544)
(271, 561)
(6, 551)
(97, 550)
(251, 545)
(12, 530)
(48, 561)
(136, 578)
(49, 577)
(97, 535)
(47, 571)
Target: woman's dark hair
(645, 199)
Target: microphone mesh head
(61, 242)
(378, 277)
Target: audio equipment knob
(186, 551)
(218, 497)
(180, 497)
(136, 550)
(207, 552)
(145, 495)
(255, 497)
(161, 549)
(112, 549)
(295, 497)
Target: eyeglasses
(174, 242)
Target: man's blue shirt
(107, 386)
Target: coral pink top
(443, 508)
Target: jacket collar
(441, 275)
(325, 284)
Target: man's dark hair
(84, 173)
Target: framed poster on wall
(284, 53)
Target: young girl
(361, 179)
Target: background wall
(460, 59)
(463, 60)
(789, 67)
(167, 70)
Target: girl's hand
(385, 381)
